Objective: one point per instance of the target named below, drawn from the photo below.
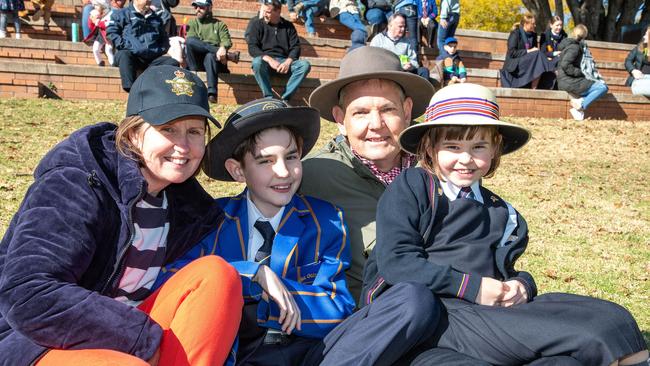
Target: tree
(490, 15)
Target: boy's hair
(249, 144)
(580, 32)
(428, 156)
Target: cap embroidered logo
(180, 85)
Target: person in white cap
(462, 241)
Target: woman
(524, 63)
(577, 74)
(108, 207)
(637, 63)
(551, 38)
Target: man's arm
(114, 29)
(294, 42)
(253, 37)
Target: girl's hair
(250, 143)
(132, 125)
(428, 155)
(526, 18)
(556, 18)
(580, 32)
(644, 45)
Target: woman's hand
(637, 74)
(289, 318)
(516, 294)
(491, 292)
(532, 49)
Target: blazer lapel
(235, 228)
(285, 244)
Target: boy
(462, 241)
(452, 65)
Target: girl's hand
(637, 74)
(516, 295)
(289, 318)
(491, 291)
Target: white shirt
(255, 239)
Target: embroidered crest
(494, 199)
(269, 105)
(180, 85)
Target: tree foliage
(490, 15)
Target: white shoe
(3, 34)
(17, 35)
(577, 103)
(577, 115)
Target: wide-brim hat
(251, 118)
(464, 105)
(366, 63)
(165, 93)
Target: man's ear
(407, 104)
(236, 170)
(339, 117)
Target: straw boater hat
(464, 105)
(371, 63)
(252, 117)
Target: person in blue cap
(109, 206)
(452, 65)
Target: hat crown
(364, 60)
(254, 107)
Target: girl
(462, 241)
(109, 206)
(99, 16)
(551, 38)
(637, 63)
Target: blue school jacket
(310, 253)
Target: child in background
(7, 8)
(43, 8)
(452, 67)
(99, 17)
(462, 241)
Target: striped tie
(466, 192)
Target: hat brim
(513, 136)
(420, 90)
(304, 120)
(166, 113)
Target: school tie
(265, 228)
(466, 192)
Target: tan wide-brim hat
(464, 105)
(366, 63)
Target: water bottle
(75, 32)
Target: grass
(582, 186)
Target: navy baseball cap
(165, 93)
(449, 40)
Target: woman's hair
(249, 144)
(555, 19)
(428, 155)
(526, 18)
(580, 32)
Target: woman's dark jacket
(516, 49)
(62, 255)
(546, 39)
(634, 61)
(569, 76)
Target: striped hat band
(462, 106)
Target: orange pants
(199, 309)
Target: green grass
(582, 186)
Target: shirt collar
(451, 190)
(254, 214)
(407, 160)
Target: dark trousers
(130, 64)
(430, 32)
(202, 56)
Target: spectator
(207, 45)
(452, 65)
(274, 45)
(449, 19)
(307, 10)
(552, 37)
(139, 36)
(393, 40)
(43, 8)
(409, 9)
(637, 64)
(577, 74)
(524, 63)
(10, 7)
(85, 14)
(427, 12)
(97, 19)
(347, 12)
(377, 13)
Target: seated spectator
(307, 10)
(207, 44)
(577, 74)
(43, 8)
(427, 12)
(637, 64)
(347, 13)
(139, 36)
(452, 65)
(274, 45)
(449, 19)
(393, 40)
(377, 13)
(98, 17)
(85, 14)
(524, 63)
(10, 7)
(409, 8)
(552, 37)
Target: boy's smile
(463, 162)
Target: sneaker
(311, 35)
(577, 115)
(212, 98)
(17, 35)
(577, 103)
(3, 34)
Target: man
(393, 40)
(306, 9)
(207, 44)
(138, 35)
(273, 43)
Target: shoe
(37, 15)
(101, 64)
(312, 35)
(22, 14)
(212, 98)
(577, 103)
(17, 35)
(233, 56)
(46, 27)
(298, 7)
(3, 34)
(577, 115)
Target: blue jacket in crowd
(144, 36)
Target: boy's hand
(289, 318)
(491, 291)
(516, 295)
